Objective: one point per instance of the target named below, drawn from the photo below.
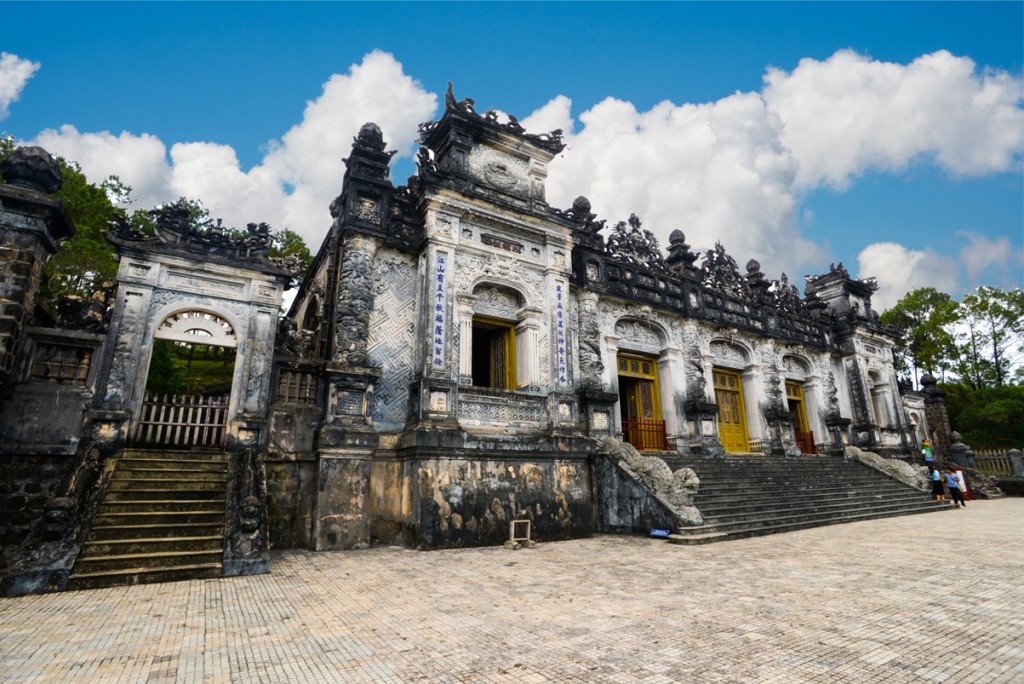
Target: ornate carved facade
(483, 326)
(459, 349)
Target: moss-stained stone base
(464, 502)
(26, 484)
(341, 511)
(291, 486)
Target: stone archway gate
(182, 278)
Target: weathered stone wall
(291, 489)
(341, 512)
(391, 505)
(27, 482)
(462, 502)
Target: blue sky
(889, 137)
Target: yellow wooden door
(732, 423)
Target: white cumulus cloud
(995, 258)
(900, 270)
(299, 176)
(735, 170)
(14, 74)
(849, 113)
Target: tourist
(954, 488)
(962, 481)
(926, 453)
(936, 479)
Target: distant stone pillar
(937, 417)
(32, 221)
(527, 334)
(465, 312)
(1017, 461)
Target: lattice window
(61, 363)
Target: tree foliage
(979, 340)
(87, 263)
(988, 418)
(925, 319)
(990, 336)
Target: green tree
(925, 319)
(988, 418)
(990, 336)
(286, 243)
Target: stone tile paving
(925, 598)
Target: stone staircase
(161, 520)
(758, 495)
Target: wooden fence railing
(182, 422)
(995, 462)
(805, 440)
(645, 434)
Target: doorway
(188, 384)
(639, 402)
(797, 406)
(732, 421)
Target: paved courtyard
(925, 598)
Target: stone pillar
(612, 376)
(355, 298)
(937, 417)
(589, 343)
(527, 366)
(465, 313)
(1017, 461)
(671, 376)
(32, 221)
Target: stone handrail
(48, 555)
(246, 522)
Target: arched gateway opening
(188, 386)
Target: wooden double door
(732, 421)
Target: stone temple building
(461, 355)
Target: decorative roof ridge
(466, 109)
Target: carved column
(527, 333)
(611, 343)
(355, 298)
(671, 376)
(465, 313)
(591, 367)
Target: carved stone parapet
(702, 425)
(598, 409)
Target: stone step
(717, 535)
(146, 490)
(151, 545)
(148, 560)
(739, 507)
(754, 513)
(118, 532)
(159, 518)
(149, 474)
(161, 505)
(753, 486)
(724, 524)
(145, 575)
